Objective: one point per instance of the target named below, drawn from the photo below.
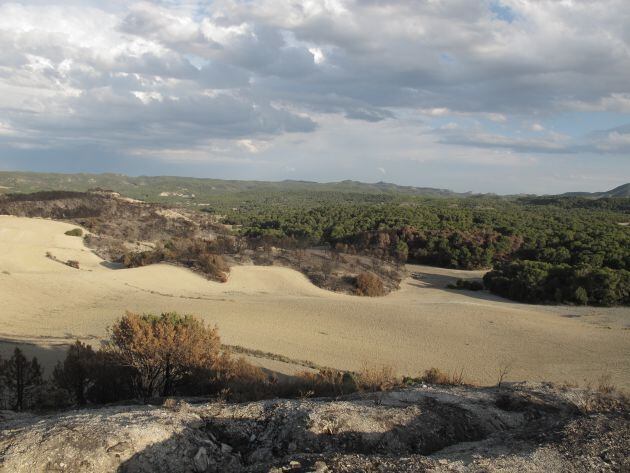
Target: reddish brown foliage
(368, 284)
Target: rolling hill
(188, 189)
(621, 191)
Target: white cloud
(459, 79)
(318, 55)
(615, 102)
(253, 146)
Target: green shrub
(76, 232)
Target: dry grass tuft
(436, 376)
(377, 379)
(605, 385)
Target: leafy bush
(369, 284)
(163, 350)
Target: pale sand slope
(278, 310)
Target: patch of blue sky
(447, 58)
(197, 61)
(583, 123)
(502, 12)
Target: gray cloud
(178, 74)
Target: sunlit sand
(278, 310)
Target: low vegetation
(149, 356)
(557, 249)
(198, 254)
(72, 263)
(152, 357)
(368, 284)
(76, 232)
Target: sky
(503, 96)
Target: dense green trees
(543, 249)
(536, 281)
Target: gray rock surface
(422, 428)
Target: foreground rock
(423, 428)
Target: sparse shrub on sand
(369, 284)
(377, 378)
(215, 266)
(75, 232)
(73, 263)
(194, 253)
(436, 376)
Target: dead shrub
(325, 382)
(605, 385)
(192, 252)
(436, 376)
(214, 266)
(369, 284)
(377, 379)
(73, 263)
(163, 350)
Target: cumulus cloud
(177, 75)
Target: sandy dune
(278, 310)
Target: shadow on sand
(112, 265)
(47, 353)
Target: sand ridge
(278, 310)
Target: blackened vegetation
(114, 220)
(197, 254)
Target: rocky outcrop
(422, 428)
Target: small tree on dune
(162, 350)
(369, 284)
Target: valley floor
(272, 309)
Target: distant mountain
(196, 191)
(621, 191)
(188, 189)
